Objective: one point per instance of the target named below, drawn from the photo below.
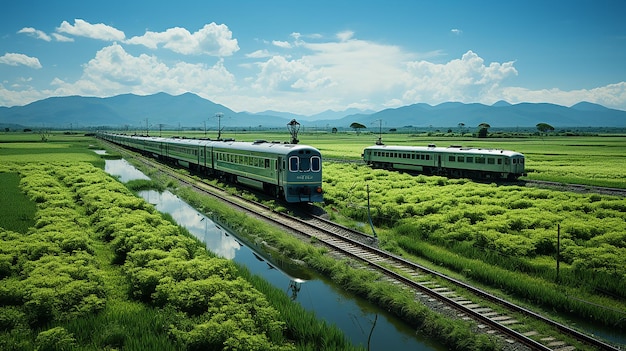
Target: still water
(123, 170)
(353, 315)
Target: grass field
(466, 227)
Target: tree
(334, 130)
(357, 127)
(462, 128)
(483, 130)
(544, 128)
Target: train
(287, 171)
(454, 161)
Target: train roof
(257, 146)
(446, 150)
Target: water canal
(352, 314)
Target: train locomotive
(289, 171)
(453, 161)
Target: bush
(55, 339)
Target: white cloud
(612, 95)
(35, 33)
(345, 36)
(456, 31)
(62, 38)
(99, 31)
(466, 80)
(13, 59)
(281, 44)
(259, 54)
(212, 39)
(114, 71)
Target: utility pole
(147, 132)
(219, 117)
(380, 132)
(369, 214)
(558, 252)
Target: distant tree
(7, 129)
(462, 128)
(393, 130)
(357, 127)
(483, 130)
(334, 131)
(544, 128)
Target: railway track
(493, 315)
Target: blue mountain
(191, 111)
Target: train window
(427, 157)
(499, 161)
(316, 164)
(460, 159)
(294, 163)
(491, 161)
(451, 158)
(507, 161)
(267, 163)
(469, 160)
(480, 160)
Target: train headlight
(319, 189)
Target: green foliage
(510, 227)
(55, 339)
(51, 275)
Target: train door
(279, 170)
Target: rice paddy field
(503, 237)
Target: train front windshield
(305, 164)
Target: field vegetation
(501, 236)
(99, 268)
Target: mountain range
(188, 110)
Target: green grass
(496, 229)
(18, 211)
(28, 148)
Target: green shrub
(55, 339)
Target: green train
(453, 161)
(289, 171)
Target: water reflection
(100, 152)
(353, 315)
(202, 227)
(124, 170)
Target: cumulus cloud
(114, 71)
(35, 33)
(98, 31)
(466, 80)
(212, 39)
(13, 59)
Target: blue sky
(305, 56)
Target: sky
(305, 57)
